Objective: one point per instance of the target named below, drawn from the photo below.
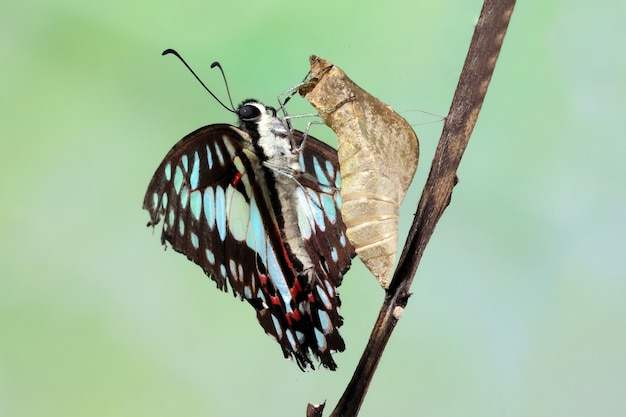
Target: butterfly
(257, 207)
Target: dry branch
(466, 103)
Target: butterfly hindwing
(319, 207)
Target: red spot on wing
(296, 289)
(236, 179)
(295, 315)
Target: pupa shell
(378, 152)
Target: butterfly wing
(190, 189)
(319, 205)
(212, 193)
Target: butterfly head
(270, 134)
(259, 120)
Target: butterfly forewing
(218, 210)
(189, 190)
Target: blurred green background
(519, 306)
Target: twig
(466, 103)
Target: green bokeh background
(519, 306)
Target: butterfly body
(258, 208)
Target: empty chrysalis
(378, 152)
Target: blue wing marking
(220, 212)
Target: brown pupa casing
(378, 152)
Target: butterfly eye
(248, 112)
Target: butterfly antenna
(173, 52)
(295, 89)
(217, 64)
